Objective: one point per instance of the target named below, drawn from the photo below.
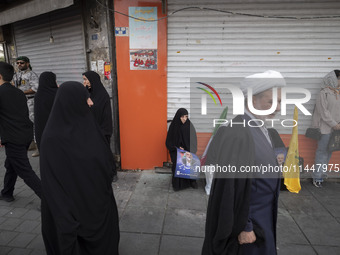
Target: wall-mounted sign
(122, 31)
(100, 64)
(94, 66)
(143, 38)
(143, 34)
(143, 59)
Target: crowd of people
(72, 131)
(242, 209)
(73, 127)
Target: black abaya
(180, 135)
(229, 199)
(101, 107)
(101, 103)
(79, 212)
(43, 102)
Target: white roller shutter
(66, 55)
(203, 44)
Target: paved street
(154, 220)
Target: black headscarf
(101, 103)
(181, 135)
(43, 102)
(78, 211)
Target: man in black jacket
(16, 132)
(243, 203)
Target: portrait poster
(281, 154)
(187, 165)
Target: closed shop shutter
(206, 43)
(66, 55)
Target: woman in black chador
(101, 102)
(78, 210)
(101, 108)
(43, 102)
(181, 134)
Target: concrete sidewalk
(154, 220)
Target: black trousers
(17, 164)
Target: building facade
(66, 37)
(151, 56)
(220, 42)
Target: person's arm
(33, 83)
(29, 91)
(106, 119)
(169, 142)
(249, 226)
(13, 82)
(325, 114)
(247, 235)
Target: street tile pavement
(155, 220)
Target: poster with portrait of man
(281, 153)
(188, 165)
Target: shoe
(33, 146)
(115, 178)
(7, 199)
(317, 184)
(36, 153)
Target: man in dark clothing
(16, 132)
(242, 209)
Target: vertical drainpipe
(115, 141)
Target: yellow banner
(291, 171)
